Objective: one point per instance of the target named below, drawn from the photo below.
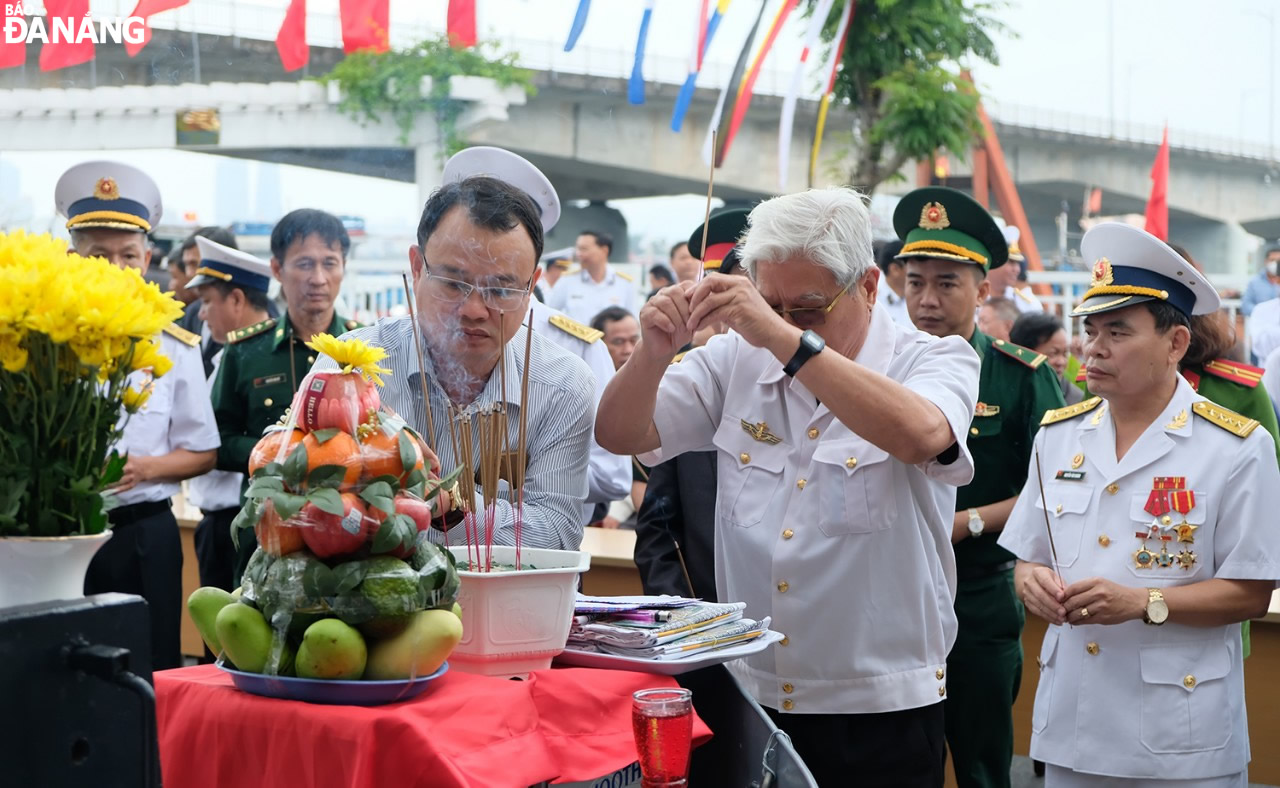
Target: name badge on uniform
(269, 380)
(983, 409)
(1070, 476)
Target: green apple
(204, 604)
(419, 650)
(331, 649)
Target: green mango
(204, 604)
(246, 637)
(419, 650)
(331, 649)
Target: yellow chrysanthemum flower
(133, 400)
(13, 357)
(352, 355)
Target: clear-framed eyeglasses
(454, 291)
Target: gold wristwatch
(1156, 612)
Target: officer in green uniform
(949, 244)
(262, 365)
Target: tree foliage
(901, 78)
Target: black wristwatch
(810, 345)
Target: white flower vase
(43, 568)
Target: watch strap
(810, 345)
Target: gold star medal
(1186, 532)
(1186, 559)
(106, 189)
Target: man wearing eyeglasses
(839, 438)
(950, 242)
(474, 267)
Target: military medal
(1142, 557)
(1077, 461)
(1164, 560)
(1186, 559)
(1183, 501)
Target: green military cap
(723, 231)
(936, 221)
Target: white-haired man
(840, 438)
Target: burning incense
(711, 178)
(517, 483)
(426, 387)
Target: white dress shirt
(1135, 700)
(1264, 329)
(177, 415)
(894, 304)
(561, 416)
(1024, 298)
(845, 547)
(1271, 378)
(216, 489)
(609, 475)
(581, 297)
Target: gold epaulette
(1069, 412)
(182, 335)
(676, 359)
(625, 277)
(1025, 355)
(351, 325)
(1228, 420)
(574, 328)
(250, 331)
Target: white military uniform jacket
(1135, 700)
(177, 415)
(1024, 298)
(581, 298)
(845, 547)
(609, 475)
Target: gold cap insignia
(106, 189)
(933, 216)
(1102, 273)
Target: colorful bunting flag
(461, 24)
(64, 53)
(579, 22)
(734, 83)
(831, 68)
(365, 25)
(147, 9)
(743, 100)
(811, 38)
(1158, 204)
(695, 61)
(291, 41)
(635, 86)
(11, 54)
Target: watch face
(1157, 611)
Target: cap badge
(106, 189)
(1102, 273)
(933, 216)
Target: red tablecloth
(465, 730)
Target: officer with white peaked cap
(110, 208)
(1159, 504)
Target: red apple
(330, 534)
(418, 510)
(334, 399)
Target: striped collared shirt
(560, 423)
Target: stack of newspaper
(659, 628)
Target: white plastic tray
(669, 667)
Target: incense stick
(426, 390)
(711, 178)
(1053, 550)
(522, 438)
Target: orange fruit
(268, 448)
(341, 449)
(275, 537)
(381, 453)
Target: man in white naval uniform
(110, 209)
(1161, 506)
(582, 294)
(840, 437)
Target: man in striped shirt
(474, 267)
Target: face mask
(1271, 267)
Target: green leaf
(114, 470)
(319, 580)
(295, 467)
(408, 456)
(270, 469)
(327, 476)
(379, 495)
(287, 504)
(416, 476)
(324, 436)
(326, 500)
(408, 531)
(387, 538)
(347, 576)
(263, 486)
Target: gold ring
(1084, 612)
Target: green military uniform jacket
(261, 368)
(1236, 387)
(1015, 388)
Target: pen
(655, 616)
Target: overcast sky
(1206, 69)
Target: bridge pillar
(426, 171)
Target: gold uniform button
(267, 402)
(788, 533)
(1189, 681)
(786, 641)
(1092, 648)
(1166, 520)
(1039, 663)
(973, 430)
(851, 462)
(1113, 488)
(939, 674)
(311, 359)
(942, 692)
(783, 586)
(788, 705)
(788, 688)
(1057, 509)
(813, 433)
(744, 457)
(999, 343)
(800, 484)
(1104, 540)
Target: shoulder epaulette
(676, 359)
(1235, 372)
(351, 325)
(573, 270)
(1030, 299)
(574, 328)
(624, 276)
(250, 331)
(1226, 419)
(1069, 412)
(1027, 356)
(182, 335)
